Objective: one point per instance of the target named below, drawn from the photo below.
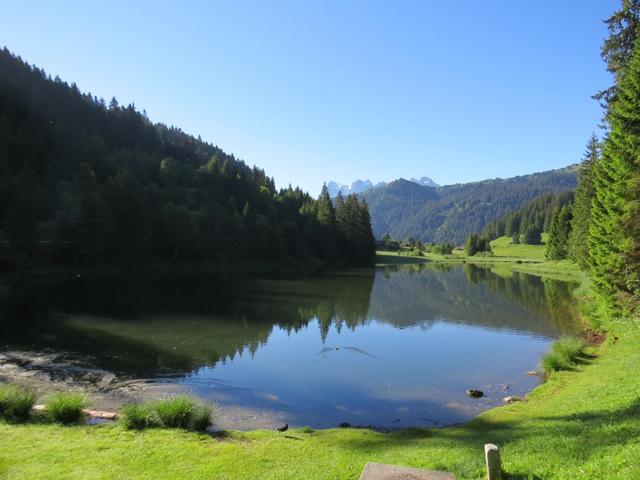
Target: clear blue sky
(335, 90)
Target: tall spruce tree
(578, 247)
(614, 233)
(558, 242)
(617, 49)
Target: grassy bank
(580, 424)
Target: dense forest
(83, 181)
(405, 209)
(601, 230)
(527, 224)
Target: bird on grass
(285, 428)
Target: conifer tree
(614, 233)
(617, 49)
(578, 246)
(559, 230)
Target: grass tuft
(175, 412)
(65, 407)
(201, 419)
(16, 402)
(563, 354)
(183, 412)
(138, 417)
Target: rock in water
(475, 393)
(511, 399)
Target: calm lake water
(390, 347)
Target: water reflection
(386, 347)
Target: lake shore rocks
(511, 399)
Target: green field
(502, 251)
(581, 424)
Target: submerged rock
(475, 393)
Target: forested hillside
(83, 181)
(450, 213)
(535, 215)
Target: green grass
(502, 247)
(138, 417)
(502, 251)
(175, 412)
(16, 402)
(582, 424)
(564, 355)
(65, 407)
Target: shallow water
(389, 347)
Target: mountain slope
(86, 183)
(403, 208)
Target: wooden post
(492, 459)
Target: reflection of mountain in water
(175, 326)
(471, 295)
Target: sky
(341, 90)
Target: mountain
(361, 186)
(425, 182)
(86, 182)
(404, 208)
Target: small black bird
(285, 428)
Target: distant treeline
(83, 181)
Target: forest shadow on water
(391, 347)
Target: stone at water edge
(473, 393)
(511, 399)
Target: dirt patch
(593, 338)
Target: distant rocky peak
(425, 181)
(360, 186)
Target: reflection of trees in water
(546, 296)
(473, 296)
(178, 325)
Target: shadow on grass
(567, 439)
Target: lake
(390, 347)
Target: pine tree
(614, 233)
(559, 231)
(326, 211)
(367, 240)
(471, 245)
(578, 246)
(617, 49)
